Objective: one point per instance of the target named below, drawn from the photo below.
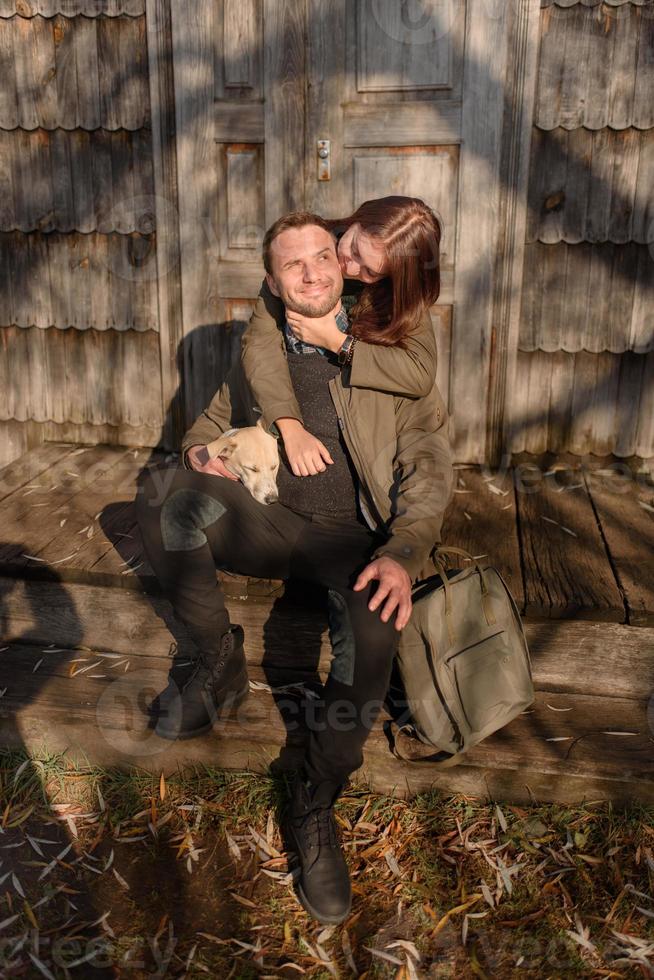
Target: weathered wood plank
(643, 114)
(284, 82)
(536, 394)
(426, 124)
(83, 433)
(630, 404)
(603, 401)
(279, 631)
(481, 129)
(629, 532)
(238, 122)
(484, 523)
(393, 54)
(513, 179)
(326, 75)
(83, 62)
(645, 437)
(603, 288)
(560, 399)
(579, 326)
(31, 465)
(34, 65)
(71, 8)
(568, 656)
(582, 403)
(24, 521)
(243, 196)
(61, 376)
(104, 716)
(611, 91)
(194, 55)
(71, 279)
(123, 90)
(18, 438)
(85, 513)
(239, 42)
(566, 575)
(55, 182)
(118, 99)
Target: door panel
(403, 46)
(428, 172)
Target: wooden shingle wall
(585, 362)
(79, 340)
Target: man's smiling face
(306, 274)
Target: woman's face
(362, 256)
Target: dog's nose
(270, 498)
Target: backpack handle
(485, 592)
(465, 554)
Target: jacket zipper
(364, 476)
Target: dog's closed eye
(252, 469)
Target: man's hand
(322, 331)
(198, 458)
(306, 454)
(394, 586)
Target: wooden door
(410, 95)
(384, 86)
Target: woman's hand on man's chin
(321, 331)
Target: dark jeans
(196, 523)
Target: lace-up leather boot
(323, 886)
(202, 689)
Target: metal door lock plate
(324, 159)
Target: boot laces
(184, 671)
(320, 828)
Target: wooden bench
(87, 635)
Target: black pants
(193, 523)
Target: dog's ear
(228, 449)
(223, 446)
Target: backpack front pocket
(484, 679)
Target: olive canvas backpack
(463, 661)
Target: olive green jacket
(399, 445)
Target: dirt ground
(108, 874)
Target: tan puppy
(250, 454)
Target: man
(363, 528)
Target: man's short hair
(295, 219)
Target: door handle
(323, 150)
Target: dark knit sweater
(332, 493)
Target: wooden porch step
(577, 554)
(598, 659)
(572, 745)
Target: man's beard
(316, 308)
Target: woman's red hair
(410, 232)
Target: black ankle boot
(201, 689)
(324, 883)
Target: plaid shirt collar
(299, 347)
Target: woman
(389, 255)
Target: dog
(251, 454)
